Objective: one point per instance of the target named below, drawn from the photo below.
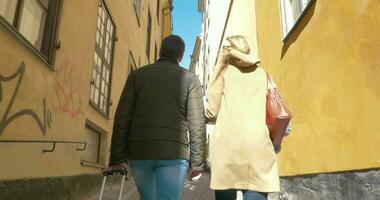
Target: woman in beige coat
(241, 152)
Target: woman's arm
(215, 87)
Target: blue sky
(187, 24)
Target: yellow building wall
(71, 73)
(242, 21)
(329, 73)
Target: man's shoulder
(167, 66)
(142, 70)
(186, 70)
(145, 67)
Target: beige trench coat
(241, 152)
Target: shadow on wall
(298, 27)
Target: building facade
(324, 57)
(194, 62)
(63, 64)
(214, 14)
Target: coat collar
(168, 59)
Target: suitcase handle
(112, 172)
(106, 173)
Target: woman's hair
(240, 43)
(172, 46)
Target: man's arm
(197, 127)
(122, 121)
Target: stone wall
(83, 187)
(356, 185)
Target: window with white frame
(291, 11)
(103, 57)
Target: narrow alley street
(193, 190)
(198, 189)
(173, 84)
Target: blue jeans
(247, 195)
(159, 179)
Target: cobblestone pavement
(198, 189)
(193, 190)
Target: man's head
(172, 46)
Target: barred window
(33, 21)
(103, 59)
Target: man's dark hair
(172, 46)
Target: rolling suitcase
(123, 174)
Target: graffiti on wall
(67, 91)
(6, 118)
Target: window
(34, 21)
(148, 35)
(137, 4)
(291, 11)
(8, 10)
(132, 63)
(92, 137)
(103, 58)
(158, 11)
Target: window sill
(302, 16)
(99, 110)
(92, 164)
(26, 43)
